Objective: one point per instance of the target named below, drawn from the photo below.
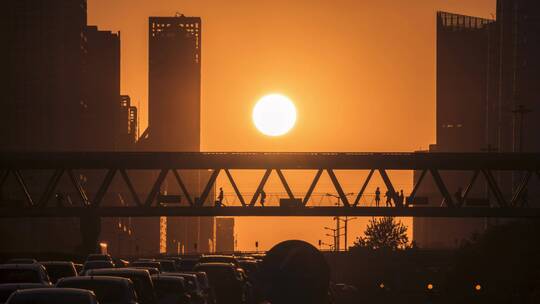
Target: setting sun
(274, 115)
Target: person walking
(377, 197)
(219, 202)
(401, 198)
(263, 197)
(388, 196)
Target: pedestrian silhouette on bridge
(388, 196)
(263, 197)
(219, 202)
(400, 199)
(377, 197)
(459, 197)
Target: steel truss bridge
(14, 165)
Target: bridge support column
(90, 227)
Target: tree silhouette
(384, 233)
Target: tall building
(225, 234)
(61, 83)
(174, 104)
(102, 129)
(487, 76)
(462, 70)
(43, 51)
(174, 83)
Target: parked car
(204, 284)
(120, 263)
(227, 282)
(152, 264)
(177, 261)
(52, 296)
(108, 290)
(170, 290)
(193, 287)
(99, 257)
(7, 289)
(96, 264)
(21, 261)
(167, 265)
(24, 273)
(59, 269)
(140, 278)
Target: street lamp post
(338, 222)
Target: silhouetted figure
(219, 202)
(388, 196)
(377, 197)
(400, 199)
(263, 197)
(459, 197)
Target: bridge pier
(90, 228)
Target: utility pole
(338, 222)
(346, 232)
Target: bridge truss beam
(14, 164)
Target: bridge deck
(271, 211)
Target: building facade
(174, 105)
(225, 235)
(487, 80)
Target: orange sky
(361, 72)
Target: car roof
(167, 278)
(21, 285)
(117, 270)
(228, 265)
(57, 262)
(183, 274)
(55, 291)
(98, 262)
(98, 278)
(21, 266)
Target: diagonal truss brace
(183, 187)
(492, 183)
(521, 189)
(339, 190)
(131, 189)
(235, 187)
(447, 198)
(312, 186)
(416, 187)
(260, 187)
(364, 186)
(209, 185)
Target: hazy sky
(361, 73)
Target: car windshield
(19, 276)
(106, 291)
(168, 266)
(57, 271)
(142, 284)
(219, 275)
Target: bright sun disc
(274, 115)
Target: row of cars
(209, 279)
